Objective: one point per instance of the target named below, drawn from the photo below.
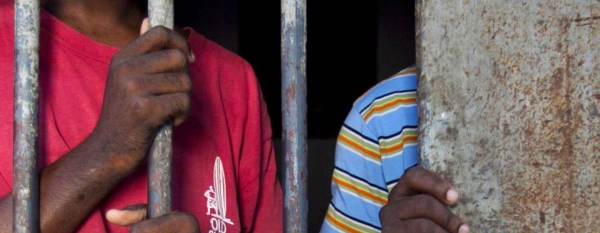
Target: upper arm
(358, 184)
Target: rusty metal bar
(160, 12)
(25, 174)
(293, 91)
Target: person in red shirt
(104, 91)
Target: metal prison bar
(293, 96)
(160, 12)
(26, 179)
(25, 174)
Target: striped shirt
(376, 144)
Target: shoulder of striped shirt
(410, 71)
(388, 96)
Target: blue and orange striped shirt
(376, 144)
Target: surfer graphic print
(216, 200)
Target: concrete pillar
(509, 95)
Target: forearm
(148, 83)
(72, 186)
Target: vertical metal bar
(293, 66)
(25, 178)
(160, 12)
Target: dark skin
(418, 204)
(148, 83)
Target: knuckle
(112, 72)
(388, 214)
(396, 188)
(411, 173)
(119, 57)
(412, 169)
(186, 82)
(384, 213)
(115, 59)
(120, 70)
(407, 179)
(131, 85)
(186, 103)
(161, 31)
(428, 202)
(185, 110)
(140, 104)
(178, 56)
(181, 105)
(447, 220)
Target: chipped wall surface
(509, 110)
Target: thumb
(144, 27)
(128, 215)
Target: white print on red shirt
(217, 200)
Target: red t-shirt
(223, 166)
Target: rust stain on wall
(508, 105)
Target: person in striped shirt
(377, 184)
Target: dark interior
(350, 47)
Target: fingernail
(114, 211)
(114, 214)
(192, 58)
(452, 196)
(144, 27)
(463, 229)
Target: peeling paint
(26, 178)
(160, 173)
(160, 13)
(293, 65)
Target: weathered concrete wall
(509, 110)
